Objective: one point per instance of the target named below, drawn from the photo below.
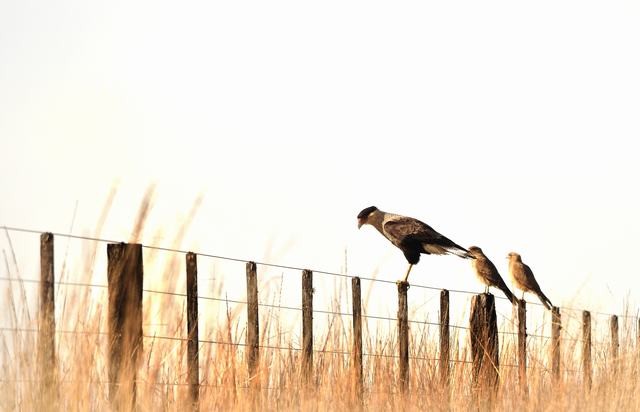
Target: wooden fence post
(307, 326)
(586, 348)
(484, 344)
(124, 276)
(47, 323)
(614, 341)
(253, 326)
(357, 335)
(403, 336)
(556, 326)
(444, 338)
(522, 344)
(193, 363)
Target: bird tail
(460, 251)
(545, 300)
(507, 292)
(449, 248)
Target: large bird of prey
(410, 235)
(488, 274)
(524, 280)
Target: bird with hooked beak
(410, 235)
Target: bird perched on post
(488, 274)
(524, 280)
(410, 235)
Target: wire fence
(278, 266)
(280, 307)
(505, 333)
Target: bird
(523, 279)
(410, 235)
(488, 274)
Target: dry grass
(82, 370)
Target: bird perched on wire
(410, 235)
(523, 279)
(488, 274)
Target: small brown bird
(523, 279)
(488, 274)
(410, 235)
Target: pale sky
(512, 126)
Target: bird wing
(487, 270)
(535, 287)
(488, 273)
(531, 281)
(401, 229)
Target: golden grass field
(82, 346)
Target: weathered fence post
(47, 323)
(253, 326)
(522, 344)
(444, 338)
(357, 335)
(586, 348)
(614, 341)
(124, 276)
(193, 369)
(556, 326)
(484, 345)
(403, 336)
(307, 326)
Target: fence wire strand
(569, 318)
(280, 266)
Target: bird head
(475, 251)
(363, 216)
(514, 256)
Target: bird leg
(407, 275)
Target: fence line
(327, 312)
(280, 266)
(282, 307)
(283, 348)
(125, 313)
(267, 305)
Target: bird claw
(403, 282)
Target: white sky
(512, 126)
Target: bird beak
(360, 223)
